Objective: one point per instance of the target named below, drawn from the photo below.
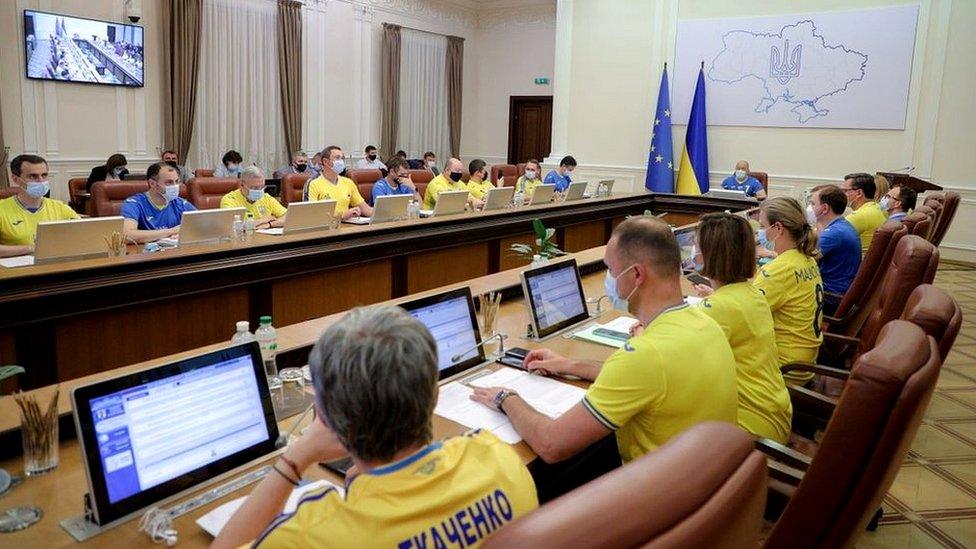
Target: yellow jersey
(679, 372)
(451, 493)
(439, 185)
(866, 220)
(266, 206)
(794, 291)
(480, 190)
(527, 186)
(741, 311)
(18, 225)
(343, 191)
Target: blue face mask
(763, 241)
(37, 189)
(339, 166)
(610, 287)
(254, 195)
(171, 192)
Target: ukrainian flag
(693, 170)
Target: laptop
(309, 216)
(449, 202)
(390, 208)
(154, 434)
(201, 226)
(75, 239)
(451, 320)
(555, 298)
(499, 198)
(542, 194)
(728, 193)
(604, 187)
(576, 190)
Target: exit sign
(542, 81)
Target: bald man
(448, 180)
(740, 180)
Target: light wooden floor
(933, 500)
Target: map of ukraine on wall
(795, 66)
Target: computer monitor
(604, 187)
(390, 208)
(686, 243)
(728, 193)
(451, 319)
(75, 239)
(576, 190)
(554, 294)
(200, 226)
(309, 216)
(542, 194)
(499, 198)
(150, 435)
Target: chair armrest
(834, 295)
(815, 369)
(784, 473)
(811, 403)
(783, 454)
(841, 339)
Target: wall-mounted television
(72, 49)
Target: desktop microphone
(598, 301)
(282, 440)
(501, 346)
(906, 168)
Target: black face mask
(301, 167)
(371, 157)
(455, 176)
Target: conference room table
(59, 493)
(66, 320)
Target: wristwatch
(500, 398)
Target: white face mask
(530, 174)
(811, 215)
(740, 175)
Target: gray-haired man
(263, 208)
(375, 376)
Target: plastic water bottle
(243, 333)
(268, 340)
(238, 228)
(538, 261)
(413, 210)
(249, 227)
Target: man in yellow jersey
(404, 490)
(331, 185)
(530, 179)
(680, 371)
(266, 211)
(20, 213)
(448, 180)
(479, 184)
(867, 215)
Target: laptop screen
(153, 432)
(555, 296)
(451, 319)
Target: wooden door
(529, 128)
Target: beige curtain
(390, 88)
(4, 157)
(455, 70)
(290, 71)
(181, 59)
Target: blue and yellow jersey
(865, 221)
(18, 225)
(452, 493)
(343, 191)
(266, 206)
(439, 185)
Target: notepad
(214, 521)
(360, 220)
(17, 261)
(274, 231)
(621, 325)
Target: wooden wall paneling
(36, 353)
(506, 259)
(8, 355)
(435, 268)
(583, 236)
(308, 296)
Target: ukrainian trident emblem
(784, 64)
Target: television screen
(72, 49)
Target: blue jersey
(840, 247)
(383, 188)
(560, 181)
(750, 186)
(150, 217)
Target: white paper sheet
(548, 396)
(454, 403)
(274, 231)
(214, 521)
(17, 261)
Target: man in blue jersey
(840, 245)
(158, 212)
(740, 180)
(560, 176)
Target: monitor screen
(73, 49)
(686, 242)
(151, 434)
(555, 297)
(451, 319)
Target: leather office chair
(520, 170)
(364, 180)
(465, 176)
(7, 192)
(108, 196)
(763, 178)
(203, 172)
(704, 488)
(292, 187)
(918, 224)
(75, 186)
(206, 192)
(937, 313)
(421, 178)
(840, 489)
(949, 207)
(933, 211)
(508, 173)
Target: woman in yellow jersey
(792, 283)
(726, 244)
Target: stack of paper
(214, 521)
(17, 261)
(274, 231)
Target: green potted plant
(544, 246)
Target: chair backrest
(364, 180)
(206, 192)
(914, 262)
(918, 224)
(108, 196)
(949, 207)
(937, 313)
(867, 282)
(7, 192)
(75, 186)
(704, 488)
(763, 178)
(420, 179)
(865, 442)
(508, 173)
(520, 170)
(203, 172)
(934, 197)
(933, 210)
(292, 186)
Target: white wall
(622, 44)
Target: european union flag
(660, 160)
